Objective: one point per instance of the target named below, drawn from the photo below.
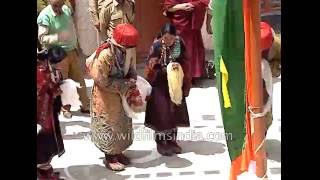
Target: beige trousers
(70, 68)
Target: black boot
(162, 145)
(123, 159)
(173, 142)
(48, 174)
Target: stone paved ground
(204, 156)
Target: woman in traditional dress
(49, 139)
(162, 115)
(188, 17)
(111, 128)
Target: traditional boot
(47, 174)
(173, 142)
(162, 145)
(123, 159)
(111, 162)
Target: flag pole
(254, 82)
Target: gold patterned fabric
(111, 129)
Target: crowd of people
(103, 30)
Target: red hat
(126, 35)
(266, 36)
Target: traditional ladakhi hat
(125, 35)
(266, 36)
(54, 54)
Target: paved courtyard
(204, 156)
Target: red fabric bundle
(134, 98)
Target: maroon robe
(161, 114)
(49, 139)
(188, 25)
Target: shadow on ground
(202, 147)
(78, 113)
(154, 159)
(208, 117)
(98, 172)
(80, 135)
(88, 172)
(273, 148)
(275, 170)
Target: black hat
(56, 54)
